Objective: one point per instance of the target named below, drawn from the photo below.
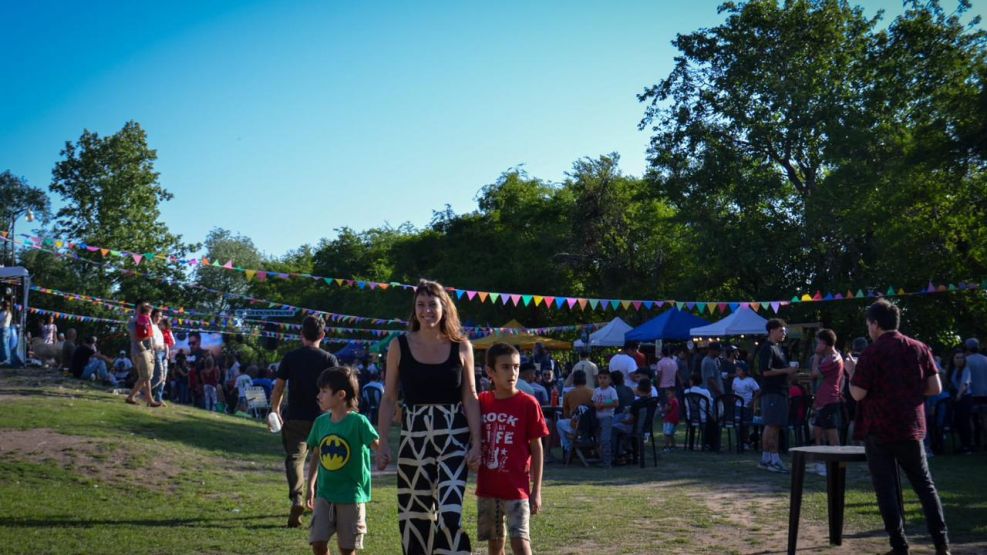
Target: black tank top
(430, 384)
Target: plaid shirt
(894, 371)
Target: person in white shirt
(624, 362)
(160, 375)
(605, 400)
(746, 388)
(587, 366)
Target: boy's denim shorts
(492, 514)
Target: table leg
(835, 499)
(795, 506)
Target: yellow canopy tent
(520, 340)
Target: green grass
(113, 478)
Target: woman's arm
(471, 405)
(387, 403)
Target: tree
(223, 245)
(17, 199)
(111, 195)
(808, 149)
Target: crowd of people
(490, 417)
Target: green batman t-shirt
(344, 457)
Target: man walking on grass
(300, 370)
(891, 381)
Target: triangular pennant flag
(261, 276)
(104, 252)
(137, 258)
(582, 303)
(774, 306)
(228, 265)
(593, 303)
(384, 286)
(460, 293)
(516, 299)
(860, 293)
(250, 274)
(755, 306)
(614, 304)
(505, 298)
(691, 305)
(549, 301)
(526, 299)
(734, 307)
(679, 305)
(204, 261)
(470, 295)
(805, 298)
(494, 297)
(571, 302)
(627, 304)
(702, 307)
(838, 297)
(637, 305)
(849, 295)
(891, 292)
(216, 264)
(483, 296)
(538, 299)
(796, 299)
(559, 302)
(952, 287)
(828, 297)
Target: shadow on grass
(196, 522)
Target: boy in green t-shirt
(340, 442)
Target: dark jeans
(294, 437)
(883, 460)
(961, 420)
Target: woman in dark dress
(440, 430)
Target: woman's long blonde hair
(449, 325)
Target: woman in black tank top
(440, 429)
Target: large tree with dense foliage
(111, 198)
(809, 148)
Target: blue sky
(286, 120)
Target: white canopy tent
(743, 321)
(610, 335)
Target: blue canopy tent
(352, 352)
(671, 325)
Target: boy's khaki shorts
(492, 514)
(349, 521)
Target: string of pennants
(515, 299)
(329, 316)
(92, 319)
(227, 322)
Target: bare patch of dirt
(99, 459)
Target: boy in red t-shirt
(671, 418)
(508, 484)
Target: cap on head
(972, 343)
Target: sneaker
(295, 517)
(767, 466)
(779, 467)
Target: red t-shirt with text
(508, 427)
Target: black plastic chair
(731, 417)
(586, 441)
(643, 427)
(698, 412)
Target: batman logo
(334, 452)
